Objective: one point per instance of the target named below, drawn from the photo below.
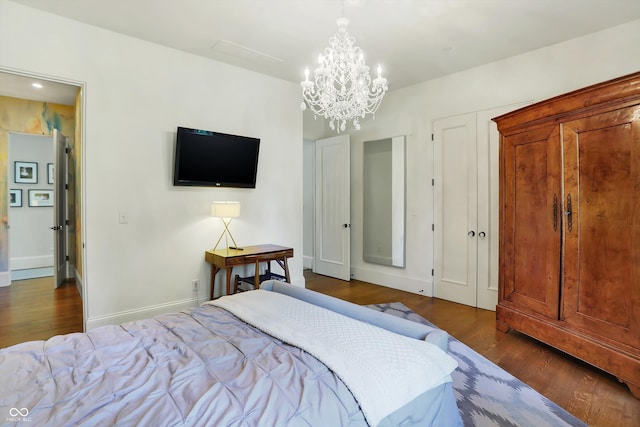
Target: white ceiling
(21, 87)
(413, 40)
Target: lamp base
(226, 233)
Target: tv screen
(212, 159)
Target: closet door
(456, 205)
(466, 209)
(531, 220)
(601, 279)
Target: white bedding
(392, 371)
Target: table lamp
(226, 211)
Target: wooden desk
(229, 258)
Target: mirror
(384, 201)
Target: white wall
(536, 75)
(137, 93)
(30, 235)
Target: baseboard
(307, 262)
(143, 313)
(415, 285)
(31, 262)
(31, 273)
(299, 281)
(5, 278)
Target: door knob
(346, 225)
(482, 234)
(471, 233)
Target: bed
(277, 356)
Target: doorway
(58, 105)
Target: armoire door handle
(471, 233)
(569, 213)
(482, 234)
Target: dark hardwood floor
(34, 310)
(590, 394)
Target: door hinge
(433, 227)
(432, 271)
(66, 150)
(66, 222)
(432, 137)
(433, 182)
(66, 258)
(66, 186)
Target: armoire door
(531, 221)
(601, 279)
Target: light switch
(123, 217)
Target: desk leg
(256, 277)
(286, 270)
(283, 264)
(229, 273)
(214, 271)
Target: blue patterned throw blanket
(486, 394)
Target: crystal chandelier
(342, 89)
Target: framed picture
(26, 172)
(38, 198)
(15, 198)
(50, 173)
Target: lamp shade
(225, 209)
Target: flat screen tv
(212, 159)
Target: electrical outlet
(194, 285)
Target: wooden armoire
(569, 252)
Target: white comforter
(390, 372)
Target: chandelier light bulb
(342, 89)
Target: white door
(455, 209)
(333, 208)
(488, 213)
(466, 207)
(59, 209)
